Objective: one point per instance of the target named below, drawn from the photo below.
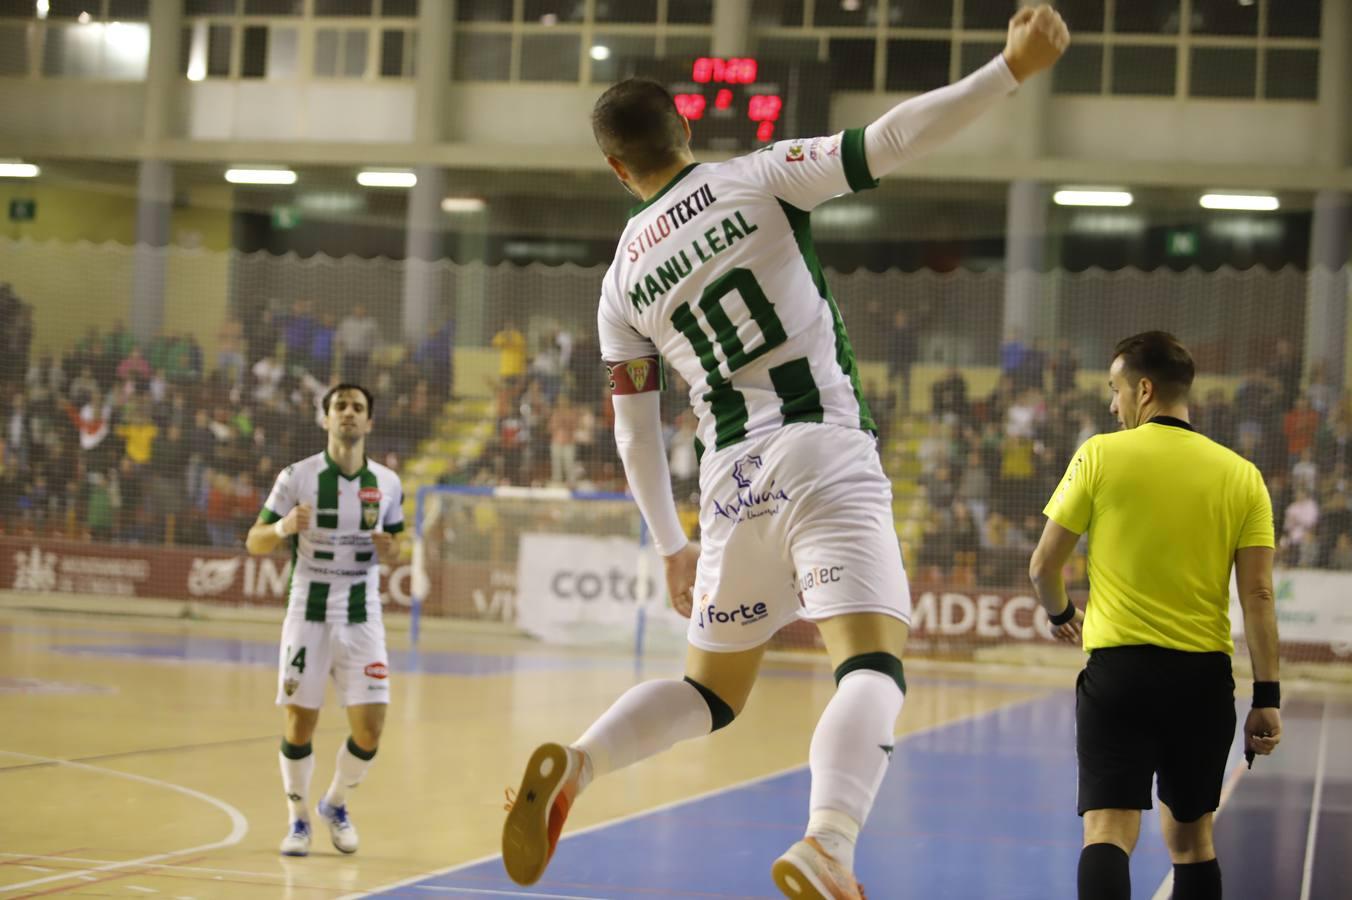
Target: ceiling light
(1092, 197)
(600, 52)
(1255, 202)
(260, 176)
(18, 170)
(462, 204)
(386, 178)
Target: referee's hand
(1069, 633)
(1262, 730)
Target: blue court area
(979, 810)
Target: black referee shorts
(1142, 711)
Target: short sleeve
(809, 171)
(620, 340)
(1257, 530)
(1073, 501)
(394, 516)
(282, 499)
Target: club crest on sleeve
(639, 371)
(289, 686)
(794, 154)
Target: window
(1225, 17)
(690, 12)
(623, 49)
(686, 46)
(344, 7)
(219, 41)
(128, 10)
(845, 13)
(976, 55)
(989, 14)
(341, 52)
(851, 61)
(626, 10)
(1079, 71)
(115, 52)
(482, 57)
(407, 9)
(210, 7)
(483, 11)
(550, 57)
(1147, 17)
(776, 12)
(552, 12)
(16, 9)
(933, 14)
(789, 48)
(273, 7)
(1291, 75)
(1293, 18)
(398, 53)
(1223, 72)
(918, 65)
(254, 61)
(1082, 16)
(1144, 70)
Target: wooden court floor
(138, 756)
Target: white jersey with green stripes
(335, 573)
(717, 275)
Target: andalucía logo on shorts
(370, 506)
(744, 469)
(638, 373)
(751, 502)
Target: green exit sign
(23, 210)
(1180, 242)
(285, 217)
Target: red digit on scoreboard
(703, 70)
(723, 99)
(765, 131)
(690, 105)
(764, 108)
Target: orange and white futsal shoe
(536, 814)
(807, 872)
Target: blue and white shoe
(297, 841)
(341, 830)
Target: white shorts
(797, 524)
(354, 654)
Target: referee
(1167, 512)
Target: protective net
(135, 468)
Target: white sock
(296, 774)
(347, 774)
(647, 719)
(850, 750)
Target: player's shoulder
(305, 466)
(383, 472)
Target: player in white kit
(716, 275)
(339, 513)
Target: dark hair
(337, 388)
(636, 122)
(1159, 356)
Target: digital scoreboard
(741, 103)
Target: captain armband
(635, 376)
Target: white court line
(239, 825)
(37, 868)
(1307, 873)
(675, 803)
(492, 893)
(265, 876)
(144, 890)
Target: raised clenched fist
(1037, 38)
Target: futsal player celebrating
(1168, 513)
(716, 274)
(340, 514)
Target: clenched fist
(297, 520)
(1037, 38)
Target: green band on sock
(885, 663)
(296, 751)
(719, 712)
(358, 752)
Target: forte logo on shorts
(378, 670)
(815, 576)
(751, 502)
(742, 615)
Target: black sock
(1105, 873)
(1197, 881)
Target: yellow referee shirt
(1165, 509)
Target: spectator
(1341, 558)
(356, 339)
(298, 330)
(133, 367)
(511, 346)
(321, 347)
(904, 347)
(1064, 368)
(1300, 426)
(1284, 369)
(562, 447)
(1297, 534)
(948, 397)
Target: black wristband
(1267, 695)
(1063, 616)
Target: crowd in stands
(984, 465)
(115, 439)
